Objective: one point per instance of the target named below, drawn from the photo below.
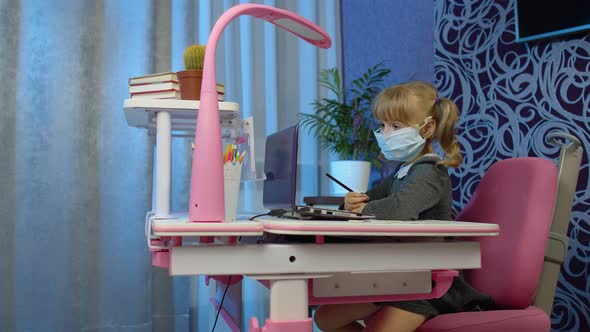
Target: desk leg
(288, 299)
(163, 161)
(288, 307)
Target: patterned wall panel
(511, 95)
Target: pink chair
(519, 195)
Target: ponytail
(449, 114)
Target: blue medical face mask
(403, 144)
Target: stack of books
(155, 86)
(220, 91)
(161, 86)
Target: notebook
(280, 186)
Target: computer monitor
(280, 168)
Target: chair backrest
(519, 195)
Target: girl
(411, 117)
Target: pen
(340, 183)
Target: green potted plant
(190, 79)
(344, 125)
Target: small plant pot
(190, 84)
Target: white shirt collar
(403, 171)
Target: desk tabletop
(181, 226)
(401, 228)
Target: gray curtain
(76, 181)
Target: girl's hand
(354, 200)
(360, 208)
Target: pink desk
(298, 274)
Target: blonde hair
(401, 103)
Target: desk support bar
(326, 258)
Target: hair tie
(437, 100)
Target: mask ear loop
(425, 122)
(437, 103)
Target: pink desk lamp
(206, 203)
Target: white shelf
(141, 113)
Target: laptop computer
(280, 186)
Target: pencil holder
(232, 173)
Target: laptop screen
(280, 168)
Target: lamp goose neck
(206, 202)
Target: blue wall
(398, 33)
(510, 95)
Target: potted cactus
(190, 79)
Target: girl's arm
(424, 189)
(381, 190)
(356, 201)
